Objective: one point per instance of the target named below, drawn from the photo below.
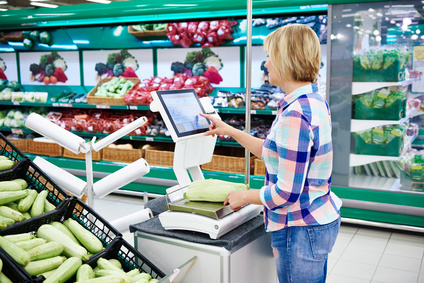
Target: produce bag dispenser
(180, 112)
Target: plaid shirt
(298, 156)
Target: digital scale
(180, 111)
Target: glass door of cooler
(376, 91)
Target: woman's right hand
(217, 126)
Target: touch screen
(183, 107)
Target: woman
(300, 211)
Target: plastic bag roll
(62, 178)
(52, 131)
(121, 177)
(123, 223)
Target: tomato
(53, 80)
(46, 80)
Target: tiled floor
(361, 254)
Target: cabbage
(60, 63)
(213, 61)
(130, 62)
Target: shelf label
(252, 111)
(55, 104)
(103, 106)
(149, 139)
(17, 131)
(65, 105)
(133, 107)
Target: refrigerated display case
(375, 91)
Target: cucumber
(18, 254)
(104, 279)
(6, 164)
(85, 272)
(70, 248)
(48, 206)
(84, 236)
(65, 271)
(65, 230)
(19, 237)
(44, 265)
(21, 182)
(8, 212)
(37, 207)
(6, 221)
(25, 204)
(10, 186)
(50, 249)
(6, 197)
(4, 278)
(30, 244)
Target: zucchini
(104, 265)
(1, 265)
(30, 244)
(141, 276)
(13, 205)
(116, 262)
(85, 272)
(212, 190)
(7, 221)
(48, 273)
(4, 278)
(104, 279)
(48, 206)
(70, 248)
(115, 273)
(10, 186)
(6, 164)
(44, 265)
(65, 271)
(26, 215)
(133, 272)
(25, 204)
(6, 197)
(18, 254)
(19, 237)
(47, 250)
(37, 207)
(65, 230)
(153, 280)
(84, 236)
(21, 182)
(8, 212)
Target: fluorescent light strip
(3, 2)
(100, 1)
(43, 5)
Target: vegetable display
(50, 70)
(205, 33)
(116, 87)
(382, 58)
(383, 97)
(200, 63)
(212, 190)
(117, 64)
(146, 27)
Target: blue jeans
(301, 253)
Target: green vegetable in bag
(389, 57)
(367, 99)
(366, 136)
(365, 62)
(378, 136)
(380, 97)
(377, 60)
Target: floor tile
(370, 245)
(404, 250)
(421, 278)
(335, 278)
(422, 266)
(370, 233)
(390, 275)
(401, 262)
(340, 246)
(361, 256)
(347, 230)
(406, 238)
(354, 269)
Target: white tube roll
(61, 178)
(119, 133)
(52, 131)
(123, 223)
(121, 177)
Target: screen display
(183, 107)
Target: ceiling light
(418, 31)
(371, 10)
(378, 38)
(407, 21)
(376, 32)
(414, 37)
(40, 4)
(100, 1)
(3, 2)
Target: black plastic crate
(71, 208)
(128, 256)
(15, 274)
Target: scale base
(215, 228)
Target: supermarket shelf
(374, 182)
(359, 88)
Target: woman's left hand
(235, 199)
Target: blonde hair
(295, 51)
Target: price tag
(133, 107)
(252, 111)
(65, 105)
(149, 139)
(274, 112)
(103, 106)
(15, 103)
(17, 131)
(55, 104)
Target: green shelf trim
(389, 197)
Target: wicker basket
(122, 155)
(21, 144)
(146, 33)
(95, 155)
(16, 36)
(160, 156)
(44, 148)
(91, 99)
(229, 164)
(259, 167)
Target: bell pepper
(60, 75)
(212, 74)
